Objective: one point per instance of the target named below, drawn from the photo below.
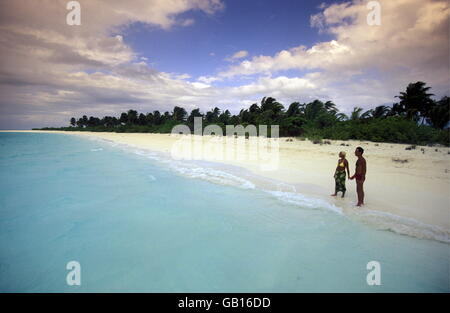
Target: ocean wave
(189, 169)
(399, 224)
(149, 155)
(304, 201)
(287, 193)
(212, 175)
(375, 219)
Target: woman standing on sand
(339, 174)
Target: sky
(156, 54)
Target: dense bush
(391, 129)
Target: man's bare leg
(360, 192)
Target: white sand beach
(415, 187)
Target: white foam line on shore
(399, 224)
(304, 201)
(211, 175)
(376, 219)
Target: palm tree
(216, 112)
(440, 115)
(123, 118)
(416, 102)
(269, 103)
(213, 115)
(254, 108)
(381, 111)
(194, 113)
(157, 117)
(330, 107)
(313, 109)
(142, 119)
(109, 121)
(397, 109)
(80, 123)
(84, 120)
(244, 116)
(356, 114)
(73, 121)
(366, 115)
(179, 114)
(294, 109)
(165, 117)
(225, 117)
(341, 117)
(150, 119)
(132, 116)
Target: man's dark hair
(360, 150)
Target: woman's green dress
(339, 177)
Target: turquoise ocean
(138, 222)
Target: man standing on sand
(360, 175)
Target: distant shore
(411, 183)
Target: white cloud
(280, 85)
(208, 79)
(183, 76)
(200, 85)
(238, 55)
(50, 71)
(411, 44)
(187, 22)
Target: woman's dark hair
(360, 150)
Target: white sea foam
(211, 175)
(304, 201)
(287, 193)
(148, 155)
(189, 169)
(399, 224)
(96, 149)
(376, 219)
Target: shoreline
(416, 191)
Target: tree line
(416, 118)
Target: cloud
(187, 22)
(208, 79)
(50, 71)
(407, 26)
(238, 55)
(412, 43)
(183, 76)
(278, 86)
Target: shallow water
(136, 224)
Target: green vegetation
(415, 119)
